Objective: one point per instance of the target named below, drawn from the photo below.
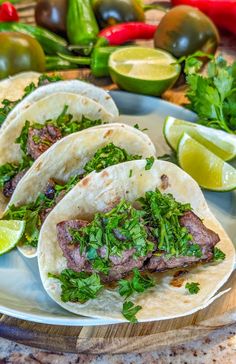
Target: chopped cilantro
(218, 254)
(139, 283)
(130, 173)
(161, 214)
(7, 171)
(78, 287)
(149, 163)
(118, 230)
(129, 311)
(193, 287)
(108, 156)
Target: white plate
(21, 292)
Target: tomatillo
(18, 53)
(185, 30)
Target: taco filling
(162, 234)
(157, 234)
(34, 140)
(36, 212)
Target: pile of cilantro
(212, 96)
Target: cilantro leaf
(139, 283)
(218, 254)
(78, 286)
(193, 287)
(149, 163)
(129, 311)
(7, 171)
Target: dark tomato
(185, 30)
(18, 53)
(109, 12)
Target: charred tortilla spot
(104, 174)
(108, 133)
(85, 181)
(164, 182)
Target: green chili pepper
(82, 28)
(50, 42)
(98, 61)
(56, 63)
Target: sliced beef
(202, 236)
(71, 251)
(119, 265)
(39, 140)
(10, 186)
(44, 213)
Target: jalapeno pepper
(50, 42)
(82, 28)
(126, 32)
(98, 61)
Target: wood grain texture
(125, 338)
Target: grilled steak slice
(50, 189)
(202, 236)
(10, 186)
(39, 140)
(119, 265)
(75, 260)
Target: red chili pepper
(222, 12)
(126, 32)
(8, 12)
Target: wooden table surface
(29, 333)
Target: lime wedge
(219, 142)
(205, 167)
(143, 70)
(10, 233)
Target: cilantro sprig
(78, 286)
(129, 311)
(139, 283)
(212, 97)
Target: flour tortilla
(12, 88)
(73, 86)
(47, 108)
(69, 155)
(99, 191)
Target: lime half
(217, 141)
(10, 233)
(205, 167)
(143, 70)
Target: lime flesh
(143, 70)
(219, 142)
(210, 171)
(11, 232)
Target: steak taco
(135, 241)
(37, 129)
(48, 85)
(57, 170)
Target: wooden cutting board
(123, 338)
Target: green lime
(10, 233)
(205, 167)
(219, 142)
(143, 70)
